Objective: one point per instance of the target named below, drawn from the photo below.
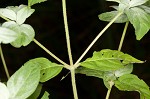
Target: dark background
(84, 25)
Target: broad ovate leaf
(8, 13)
(4, 92)
(32, 2)
(23, 13)
(24, 32)
(140, 20)
(48, 69)
(24, 81)
(108, 16)
(109, 60)
(45, 96)
(134, 3)
(7, 35)
(130, 82)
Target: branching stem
(4, 63)
(123, 36)
(97, 37)
(51, 54)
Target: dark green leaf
(45, 96)
(37, 92)
(140, 20)
(108, 16)
(24, 81)
(109, 60)
(7, 35)
(24, 32)
(48, 69)
(32, 2)
(130, 82)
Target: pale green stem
(4, 18)
(72, 69)
(97, 37)
(111, 83)
(67, 31)
(4, 63)
(123, 36)
(51, 54)
(74, 84)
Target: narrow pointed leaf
(109, 60)
(10, 14)
(45, 96)
(32, 2)
(108, 16)
(130, 82)
(24, 81)
(134, 3)
(140, 20)
(7, 35)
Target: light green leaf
(24, 81)
(90, 72)
(48, 69)
(37, 92)
(109, 60)
(23, 14)
(10, 14)
(145, 8)
(7, 35)
(125, 70)
(134, 3)
(24, 32)
(4, 92)
(108, 16)
(140, 20)
(45, 96)
(32, 2)
(130, 82)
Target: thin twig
(4, 63)
(67, 31)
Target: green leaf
(45, 96)
(7, 35)
(37, 92)
(140, 20)
(4, 92)
(125, 70)
(134, 3)
(109, 60)
(114, 0)
(130, 82)
(32, 2)
(24, 81)
(90, 72)
(48, 69)
(23, 13)
(145, 8)
(108, 16)
(25, 33)
(10, 14)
